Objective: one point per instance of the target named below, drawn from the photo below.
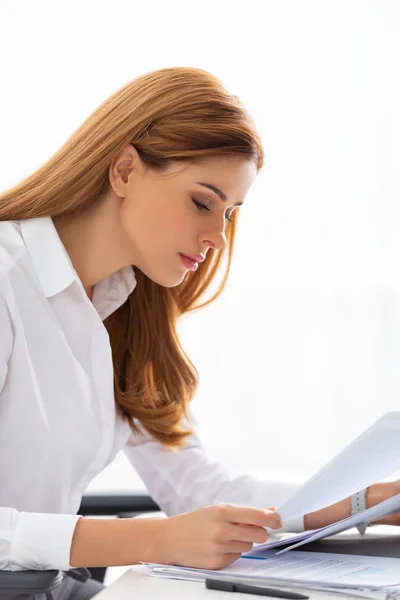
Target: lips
(195, 257)
(188, 262)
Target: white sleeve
(29, 540)
(186, 479)
(36, 541)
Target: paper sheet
(389, 506)
(372, 456)
(333, 570)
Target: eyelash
(202, 207)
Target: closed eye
(201, 207)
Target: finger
(244, 533)
(253, 516)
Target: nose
(213, 231)
(215, 239)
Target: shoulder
(12, 245)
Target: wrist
(374, 495)
(359, 505)
(152, 535)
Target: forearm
(115, 542)
(376, 493)
(328, 515)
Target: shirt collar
(55, 270)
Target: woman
(101, 250)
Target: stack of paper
(371, 457)
(364, 576)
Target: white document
(316, 568)
(387, 507)
(372, 456)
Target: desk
(136, 584)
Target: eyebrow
(217, 191)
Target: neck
(95, 242)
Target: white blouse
(58, 424)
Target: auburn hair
(171, 114)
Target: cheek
(173, 224)
(153, 226)
(179, 224)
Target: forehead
(231, 174)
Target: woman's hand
(211, 537)
(376, 493)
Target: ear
(121, 169)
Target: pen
(229, 586)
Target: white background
(302, 352)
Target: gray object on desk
(368, 545)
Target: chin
(167, 282)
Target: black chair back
(29, 584)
